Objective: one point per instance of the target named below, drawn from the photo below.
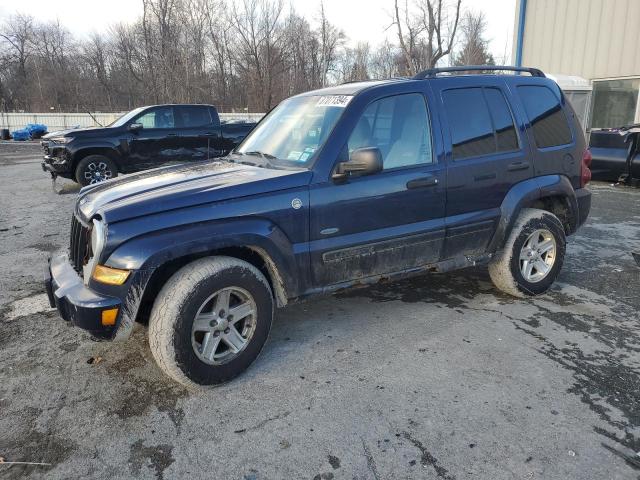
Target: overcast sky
(361, 20)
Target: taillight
(585, 172)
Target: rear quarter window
(549, 123)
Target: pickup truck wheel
(210, 321)
(532, 255)
(95, 169)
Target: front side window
(157, 118)
(193, 116)
(399, 127)
(550, 126)
(292, 132)
(480, 122)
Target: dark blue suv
(336, 187)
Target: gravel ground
(436, 377)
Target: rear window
(550, 126)
(480, 122)
(193, 116)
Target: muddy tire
(210, 321)
(95, 169)
(532, 255)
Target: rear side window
(550, 126)
(506, 137)
(480, 122)
(193, 116)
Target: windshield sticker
(294, 155)
(334, 101)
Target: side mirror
(363, 161)
(134, 127)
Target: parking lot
(435, 377)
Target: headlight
(98, 239)
(62, 140)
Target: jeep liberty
(335, 187)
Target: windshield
(295, 129)
(126, 117)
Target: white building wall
(593, 39)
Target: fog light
(109, 317)
(110, 276)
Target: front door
(156, 143)
(390, 221)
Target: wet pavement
(434, 377)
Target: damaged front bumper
(83, 307)
(56, 159)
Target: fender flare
(154, 249)
(525, 194)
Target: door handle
(488, 176)
(422, 182)
(172, 134)
(515, 166)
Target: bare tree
(426, 31)
(17, 34)
(474, 48)
(235, 54)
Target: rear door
(389, 221)
(487, 154)
(197, 136)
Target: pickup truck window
(161, 117)
(296, 129)
(121, 121)
(550, 126)
(480, 122)
(399, 127)
(193, 116)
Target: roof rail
(433, 72)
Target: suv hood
(181, 186)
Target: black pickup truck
(144, 138)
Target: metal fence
(62, 121)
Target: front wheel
(95, 169)
(532, 255)
(210, 321)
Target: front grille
(80, 245)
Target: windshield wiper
(262, 154)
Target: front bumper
(56, 159)
(76, 302)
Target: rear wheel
(210, 321)
(532, 255)
(95, 169)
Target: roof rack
(433, 72)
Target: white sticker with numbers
(334, 101)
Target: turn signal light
(108, 318)
(110, 276)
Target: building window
(615, 102)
